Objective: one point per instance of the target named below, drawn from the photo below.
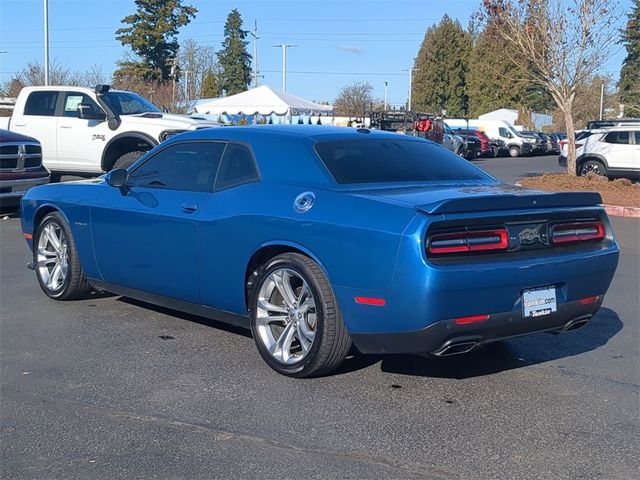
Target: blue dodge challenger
(317, 237)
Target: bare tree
(195, 61)
(92, 77)
(354, 100)
(559, 43)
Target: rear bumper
(439, 338)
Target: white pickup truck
(90, 131)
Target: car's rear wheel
(593, 166)
(295, 319)
(56, 260)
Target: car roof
(279, 148)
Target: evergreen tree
(494, 83)
(152, 37)
(210, 86)
(630, 73)
(440, 82)
(234, 60)
(490, 81)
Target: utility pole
(410, 70)
(385, 95)
(186, 85)
(284, 47)
(46, 43)
(601, 99)
(254, 34)
(174, 67)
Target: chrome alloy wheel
(52, 257)
(590, 167)
(286, 316)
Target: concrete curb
(618, 211)
(614, 210)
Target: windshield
(376, 160)
(514, 131)
(127, 103)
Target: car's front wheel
(514, 151)
(295, 319)
(57, 263)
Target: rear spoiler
(512, 202)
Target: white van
(515, 143)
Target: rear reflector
(471, 319)
(378, 302)
(472, 241)
(28, 236)
(577, 232)
(586, 300)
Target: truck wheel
(514, 151)
(126, 160)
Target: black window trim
(258, 177)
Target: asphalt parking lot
(112, 388)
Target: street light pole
(46, 42)
(254, 34)
(385, 95)
(284, 47)
(410, 70)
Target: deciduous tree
(559, 44)
(354, 100)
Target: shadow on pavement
(187, 316)
(500, 356)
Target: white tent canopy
(262, 100)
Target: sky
(338, 41)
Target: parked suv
(612, 152)
(20, 165)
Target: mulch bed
(620, 191)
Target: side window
(617, 137)
(41, 104)
(237, 167)
(73, 99)
(503, 132)
(190, 166)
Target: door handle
(189, 207)
(65, 126)
(20, 125)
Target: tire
(592, 166)
(514, 151)
(309, 319)
(55, 177)
(128, 159)
(70, 282)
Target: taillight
(471, 241)
(577, 232)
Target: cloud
(350, 49)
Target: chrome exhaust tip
(576, 323)
(455, 348)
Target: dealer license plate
(537, 302)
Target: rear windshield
(375, 160)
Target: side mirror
(87, 113)
(117, 178)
